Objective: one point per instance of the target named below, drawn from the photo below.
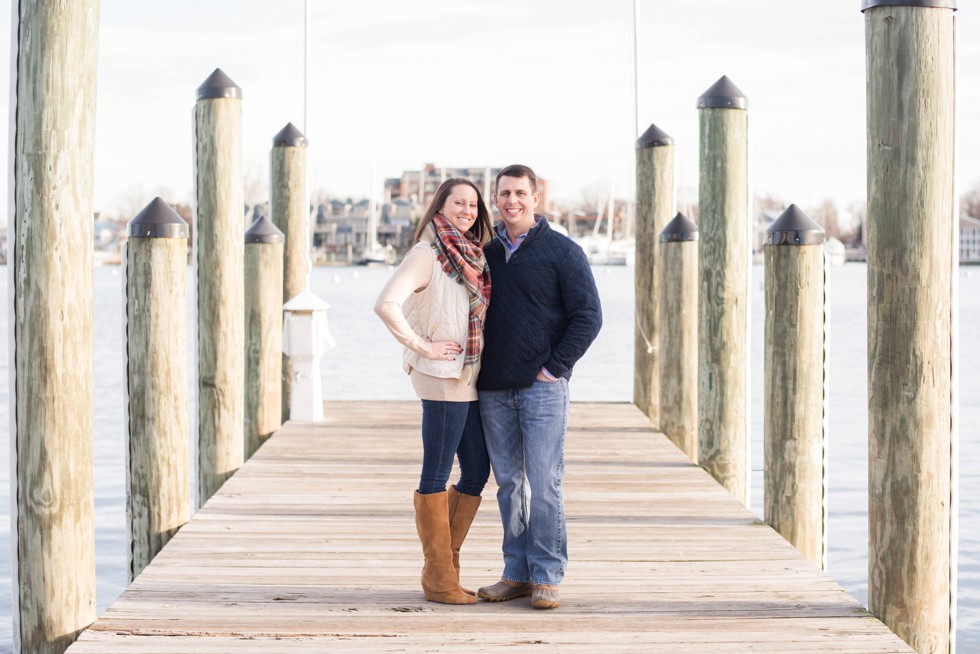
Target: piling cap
(794, 227)
(289, 137)
(678, 230)
(218, 85)
(157, 220)
(652, 138)
(305, 302)
(723, 95)
(263, 231)
(938, 4)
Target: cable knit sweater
(545, 309)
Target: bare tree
(769, 202)
(129, 202)
(255, 188)
(858, 213)
(826, 215)
(970, 202)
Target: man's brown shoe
(545, 597)
(503, 591)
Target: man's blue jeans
(451, 430)
(525, 433)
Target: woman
(434, 304)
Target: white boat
(374, 254)
(603, 249)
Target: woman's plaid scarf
(461, 257)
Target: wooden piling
(911, 207)
(678, 318)
(158, 500)
(794, 382)
(264, 245)
(220, 232)
(50, 317)
(654, 207)
(723, 219)
(290, 208)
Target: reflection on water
(366, 365)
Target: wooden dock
(311, 547)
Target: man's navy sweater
(544, 309)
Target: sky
(474, 83)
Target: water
(366, 365)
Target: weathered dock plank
(311, 547)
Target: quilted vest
(439, 312)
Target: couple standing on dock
(492, 372)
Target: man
(543, 316)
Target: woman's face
(460, 208)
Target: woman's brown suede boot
(439, 579)
(462, 510)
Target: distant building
(763, 221)
(969, 239)
(419, 186)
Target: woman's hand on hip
(444, 350)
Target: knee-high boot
(439, 580)
(462, 510)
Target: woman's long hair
(482, 228)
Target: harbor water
(365, 364)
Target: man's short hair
(517, 170)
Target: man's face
(515, 201)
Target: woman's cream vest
(439, 312)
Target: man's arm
(582, 308)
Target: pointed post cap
(723, 94)
(793, 227)
(652, 138)
(263, 231)
(218, 85)
(938, 4)
(289, 137)
(305, 302)
(678, 230)
(157, 220)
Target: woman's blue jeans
(453, 429)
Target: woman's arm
(414, 273)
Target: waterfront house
(969, 239)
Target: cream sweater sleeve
(414, 273)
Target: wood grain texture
(911, 107)
(679, 345)
(312, 547)
(158, 500)
(723, 297)
(263, 343)
(654, 209)
(289, 206)
(50, 281)
(793, 390)
(220, 237)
